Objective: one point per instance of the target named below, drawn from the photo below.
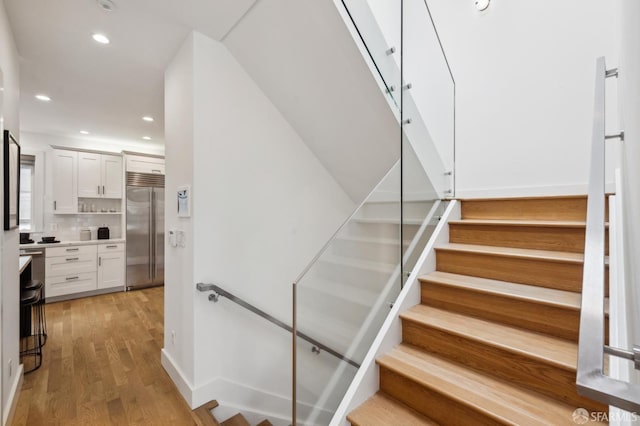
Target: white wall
(179, 163)
(9, 251)
(629, 89)
(263, 205)
(524, 84)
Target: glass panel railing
(428, 100)
(377, 23)
(345, 296)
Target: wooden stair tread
(540, 295)
(548, 296)
(202, 415)
(550, 350)
(553, 256)
(496, 398)
(265, 423)
(522, 222)
(237, 420)
(382, 410)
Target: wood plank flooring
(102, 366)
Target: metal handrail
(219, 291)
(590, 379)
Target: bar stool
(30, 332)
(37, 285)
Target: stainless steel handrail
(218, 291)
(591, 380)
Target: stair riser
(556, 321)
(414, 209)
(429, 402)
(358, 277)
(309, 299)
(527, 237)
(381, 230)
(517, 368)
(379, 252)
(539, 272)
(555, 208)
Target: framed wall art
(11, 181)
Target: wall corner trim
(7, 416)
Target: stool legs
(32, 339)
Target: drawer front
(108, 248)
(69, 284)
(72, 250)
(70, 264)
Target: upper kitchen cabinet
(65, 181)
(145, 164)
(99, 175)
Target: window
(27, 174)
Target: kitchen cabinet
(84, 268)
(143, 164)
(70, 270)
(65, 181)
(99, 175)
(111, 265)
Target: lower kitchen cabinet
(84, 268)
(111, 267)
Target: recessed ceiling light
(107, 5)
(482, 4)
(147, 118)
(43, 98)
(84, 132)
(101, 38)
(146, 138)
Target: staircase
(494, 340)
(202, 416)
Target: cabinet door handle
(55, 205)
(156, 171)
(102, 189)
(99, 260)
(111, 246)
(71, 259)
(98, 189)
(72, 278)
(73, 249)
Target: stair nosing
(448, 393)
(450, 281)
(516, 253)
(546, 359)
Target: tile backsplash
(92, 214)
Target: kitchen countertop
(68, 243)
(24, 262)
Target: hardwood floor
(102, 366)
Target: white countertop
(24, 262)
(67, 243)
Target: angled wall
(262, 206)
(303, 57)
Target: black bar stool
(31, 334)
(38, 285)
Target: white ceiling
(105, 89)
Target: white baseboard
(14, 395)
(184, 386)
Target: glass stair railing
(342, 298)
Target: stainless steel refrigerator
(145, 230)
